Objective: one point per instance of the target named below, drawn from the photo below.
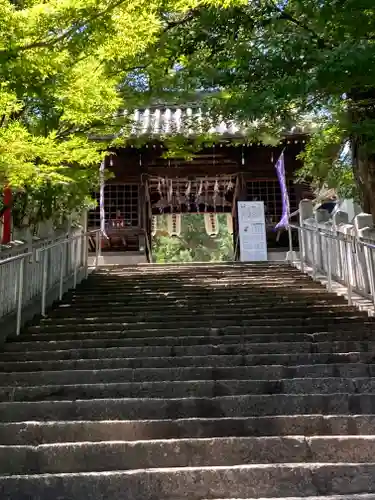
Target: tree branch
(51, 42)
(288, 17)
(169, 26)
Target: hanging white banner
(252, 231)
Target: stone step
(241, 348)
(265, 372)
(224, 300)
(200, 381)
(164, 272)
(195, 483)
(201, 286)
(131, 296)
(364, 496)
(189, 388)
(190, 328)
(202, 273)
(205, 275)
(190, 345)
(200, 281)
(186, 307)
(197, 317)
(220, 360)
(262, 287)
(41, 432)
(196, 267)
(191, 452)
(159, 408)
(46, 341)
(116, 301)
(210, 269)
(180, 311)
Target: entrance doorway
(196, 239)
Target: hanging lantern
(230, 223)
(174, 224)
(211, 224)
(154, 225)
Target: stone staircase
(191, 383)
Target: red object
(7, 217)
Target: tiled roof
(189, 121)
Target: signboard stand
(252, 231)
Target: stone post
(339, 220)
(306, 211)
(321, 218)
(363, 226)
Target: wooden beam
(234, 208)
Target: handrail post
(370, 255)
(314, 252)
(97, 245)
(75, 258)
(290, 238)
(301, 253)
(85, 254)
(350, 270)
(329, 263)
(44, 280)
(62, 270)
(20, 295)
(99, 233)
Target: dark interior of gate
(145, 183)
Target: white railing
(32, 274)
(340, 252)
(342, 258)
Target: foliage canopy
(285, 62)
(68, 66)
(66, 69)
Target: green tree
(67, 68)
(278, 63)
(194, 244)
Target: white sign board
(252, 231)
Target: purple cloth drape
(280, 170)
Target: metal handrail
(44, 252)
(15, 258)
(352, 243)
(20, 278)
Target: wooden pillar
(7, 216)
(142, 206)
(102, 203)
(238, 194)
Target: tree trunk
(364, 171)
(362, 112)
